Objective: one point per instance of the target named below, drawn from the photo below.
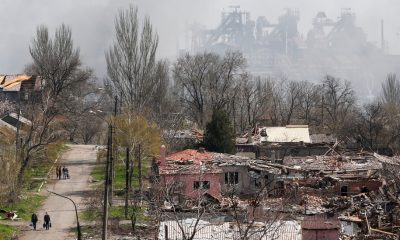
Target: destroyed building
(19, 87)
(353, 195)
(277, 142)
(216, 174)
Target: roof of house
(13, 83)
(12, 119)
(193, 155)
(290, 133)
(191, 161)
(279, 230)
(333, 163)
(388, 160)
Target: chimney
(201, 150)
(162, 155)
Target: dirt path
(80, 160)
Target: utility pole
(17, 145)
(78, 226)
(322, 107)
(106, 183)
(127, 189)
(113, 154)
(140, 171)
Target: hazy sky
(92, 22)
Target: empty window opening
(231, 178)
(201, 185)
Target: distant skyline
(92, 22)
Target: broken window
(201, 185)
(343, 190)
(231, 178)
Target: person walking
(59, 172)
(34, 220)
(47, 221)
(67, 172)
(64, 172)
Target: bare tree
(391, 90)
(58, 63)
(208, 82)
(310, 103)
(339, 101)
(371, 125)
(56, 60)
(132, 69)
(291, 101)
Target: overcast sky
(92, 22)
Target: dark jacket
(46, 218)
(34, 218)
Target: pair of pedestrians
(46, 223)
(62, 172)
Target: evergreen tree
(219, 136)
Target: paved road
(80, 160)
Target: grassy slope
(98, 174)
(30, 201)
(7, 232)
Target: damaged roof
(287, 134)
(290, 133)
(191, 161)
(13, 83)
(333, 163)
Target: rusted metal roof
(320, 222)
(190, 155)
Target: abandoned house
(277, 142)
(19, 87)
(347, 175)
(192, 172)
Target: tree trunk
(140, 172)
(126, 183)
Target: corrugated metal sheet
(280, 230)
(320, 222)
